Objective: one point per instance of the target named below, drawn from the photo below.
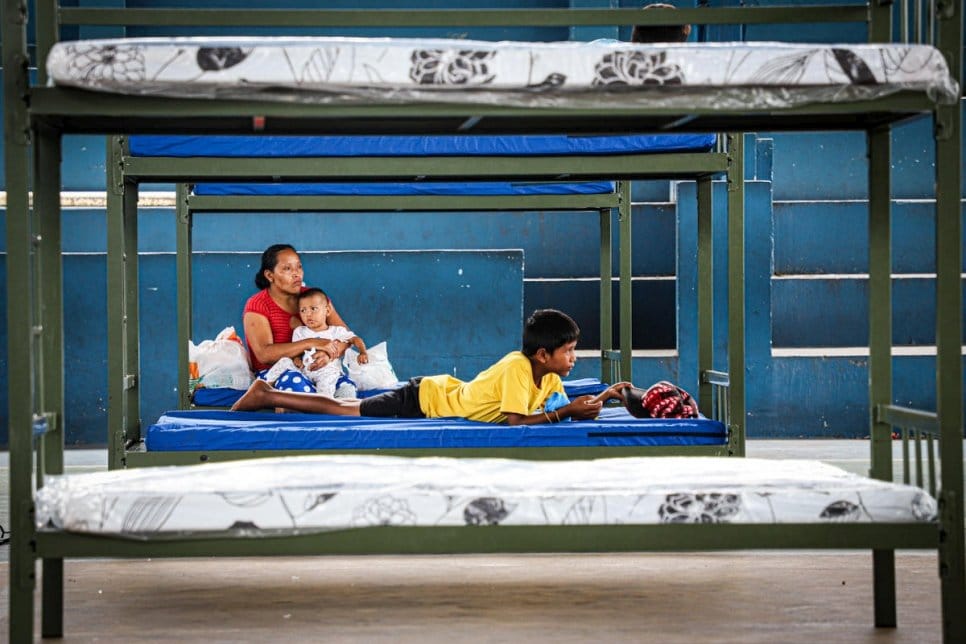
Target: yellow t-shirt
(505, 387)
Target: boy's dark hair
(269, 262)
(660, 33)
(548, 329)
(309, 292)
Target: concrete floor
(747, 598)
(724, 597)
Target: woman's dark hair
(269, 262)
(548, 329)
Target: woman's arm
(258, 332)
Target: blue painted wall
(806, 259)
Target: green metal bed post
(880, 349)
(705, 294)
(626, 283)
(20, 354)
(183, 259)
(123, 414)
(49, 293)
(736, 292)
(949, 329)
(607, 358)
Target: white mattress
(314, 493)
(716, 75)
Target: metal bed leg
(20, 344)
(884, 587)
(49, 303)
(880, 350)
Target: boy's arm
(580, 408)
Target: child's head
(314, 308)
(660, 33)
(548, 329)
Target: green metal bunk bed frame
(125, 447)
(36, 118)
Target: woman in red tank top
(271, 314)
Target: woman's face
(287, 274)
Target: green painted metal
(705, 294)
(544, 17)
(140, 458)
(736, 292)
(122, 305)
(949, 328)
(906, 417)
(20, 354)
(82, 111)
(184, 250)
(606, 296)
(48, 287)
(626, 328)
(495, 539)
(880, 297)
(448, 168)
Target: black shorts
(398, 403)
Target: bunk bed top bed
(376, 86)
(55, 110)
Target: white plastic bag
(220, 363)
(377, 373)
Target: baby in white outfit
(313, 309)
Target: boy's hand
(614, 391)
(582, 408)
(363, 358)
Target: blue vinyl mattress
(152, 145)
(468, 188)
(205, 430)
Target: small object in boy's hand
(634, 402)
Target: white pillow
(377, 373)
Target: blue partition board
(501, 188)
(151, 145)
(220, 430)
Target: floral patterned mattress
(725, 75)
(314, 493)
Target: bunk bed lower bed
(519, 159)
(53, 111)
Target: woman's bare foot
(254, 398)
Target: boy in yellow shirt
(514, 390)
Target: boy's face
(562, 360)
(312, 310)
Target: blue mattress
(201, 430)
(151, 145)
(205, 397)
(475, 188)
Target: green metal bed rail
(915, 426)
(718, 382)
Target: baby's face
(313, 310)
